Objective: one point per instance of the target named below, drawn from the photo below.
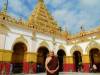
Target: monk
(52, 64)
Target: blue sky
(69, 14)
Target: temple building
(24, 45)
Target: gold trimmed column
(86, 63)
(68, 63)
(5, 60)
(30, 57)
(30, 60)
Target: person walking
(94, 68)
(52, 64)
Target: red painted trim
(6, 66)
(25, 67)
(71, 67)
(86, 67)
(1, 67)
(68, 67)
(34, 67)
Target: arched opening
(18, 57)
(41, 57)
(61, 55)
(77, 58)
(95, 58)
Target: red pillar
(25, 67)
(7, 68)
(69, 67)
(34, 67)
(86, 67)
(66, 67)
(1, 67)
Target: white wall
(15, 33)
(68, 48)
(34, 44)
(84, 46)
(49, 40)
(2, 41)
(10, 40)
(98, 41)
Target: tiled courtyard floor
(70, 73)
(63, 73)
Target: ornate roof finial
(41, 0)
(82, 28)
(5, 6)
(20, 20)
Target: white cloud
(14, 15)
(55, 3)
(47, 1)
(29, 1)
(82, 14)
(90, 2)
(19, 7)
(67, 18)
(16, 7)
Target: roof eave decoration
(3, 29)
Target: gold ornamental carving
(92, 44)
(76, 48)
(21, 39)
(62, 47)
(44, 43)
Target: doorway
(95, 58)
(61, 55)
(77, 58)
(41, 57)
(18, 57)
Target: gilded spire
(42, 21)
(5, 6)
(82, 28)
(41, 0)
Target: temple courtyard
(64, 73)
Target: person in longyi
(52, 64)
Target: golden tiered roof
(3, 28)
(84, 36)
(6, 19)
(42, 21)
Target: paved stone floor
(63, 73)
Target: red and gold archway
(18, 54)
(41, 57)
(61, 54)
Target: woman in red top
(52, 64)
